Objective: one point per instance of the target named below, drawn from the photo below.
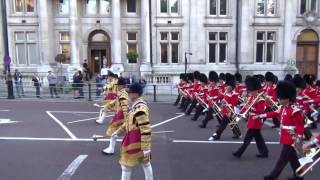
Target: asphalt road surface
(49, 141)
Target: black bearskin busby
(203, 78)
(253, 83)
(238, 77)
(286, 90)
(299, 82)
(213, 76)
(230, 80)
(288, 77)
(136, 88)
(269, 77)
(222, 77)
(309, 79)
(122, 81)
(196, 75)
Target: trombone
(311, 159)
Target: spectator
(99, 85)
(75, 84)
(142, 82)
(18, 82)
(80, 84)
(37, 84)
(52, 79)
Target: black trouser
(307, 133)
(224, 123)
(186, 104)
(183, 101)
(288, 154)
(37, 91)
(191, 107)
(256, 134)
(177, 100)
(275, 121)
(199, 110)
(209, 116)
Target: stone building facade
(258, 35)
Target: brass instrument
(245, 114)
(216, 109)
(233, 124)
(297, 142)
(202, 102)
(275, 105)
(312, 158)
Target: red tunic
(257, 108)
(318, 139)
(214, 94)
(240, 88)
(270, 91)
(291, 118)
(232, 100)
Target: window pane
(303, 6)
(64, 7)
(164, 36)
(271, 36)
(66, 50)
(132, 36)
(313, 5)
(31, 36)
(91, 7)
(223, 53)
(99, 37)
(19, 5)
(132, 47)
(260, 7)
(20, 36)
(259, 53)
(164, 6)
(260, 36)
(213, 7)
(174, 6)
(105, 6)
(270, 52)
(223, 7)
(131, 6)
(271, 7)
(64, 36)
(20, 53)
(30, 5)
(212, 53)
(32, 54)
(175, 53)
(212, 36)
(175, 36)
(223, 36)
(164, 53)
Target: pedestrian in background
(18, 82)
(75, 85)
(99, 85)
(52, 79)
(36, 84)
(80, 85)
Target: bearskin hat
(269, 76)
(253, 83)
(318, 83)
(275, 79)
(299, 82)
(309, 79)
(238, 77)
(181, 75)
(136, 88)
(196, 75)
(230, 80)
(213, 76)
(203, 78)
(122, 81)
(286, 90)
(222, 77)
(288, 77)
(190, 77)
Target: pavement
(41, 140)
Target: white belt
(288, 127)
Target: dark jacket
(36, 81)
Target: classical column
(145, 37)
(74, 31)
(46, 29)
(116, 32)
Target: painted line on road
(217, 142)
(53, 139)
(71, 169)
(162, 132)
(4, 110)
(169, 120)
(62, 125)
(8, 121)
(75, 112)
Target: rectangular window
(212, 52)
(32, 54)
(19, 5)
(223, 53)
(218, 7)
(313, 5)
(132, 44)
(91, 7)
(218, 47)
(20, 53)
(266, 7)
(64, 7)
(132, 47)
(131, 6)
(164, 53)
(174, 6)
(30, 5)
(169, 7)
(64, 36)
(223, 7)
(65, 47)
(265, 47)
(164, 36)
(164, 6)
(24, 6)
(26, 48)
(169, 47)
(105, 7)
(213, 7)
(271, 7)
(303, 6)
(260, 7)
(308, 6)
(132, 36)
(175, 53)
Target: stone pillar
(145, 38)
(117, 65)
(46, 32)
(74, 33)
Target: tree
(132, 57)
(60, 58)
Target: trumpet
(309, 161)
(248, 108)
(202, 102)
(216, 108)
(275, 105)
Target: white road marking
(4, 110)
(71, 169)
(169, 120)
(217, 142)
(75, 112)
(88, 119)
(162, 132)
(62, 125)
(53, 139)
(8, 121)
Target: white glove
(114, 135)
(236, 110)
(146, 153)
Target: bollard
(89, 86)
(154, 93)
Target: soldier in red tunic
(201, 96)
(180, 86)
(271, 95)
(184, 90)
(254, 106)
(309, 94)
(291, 129)
(229, 101)
(192, 93)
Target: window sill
(170, 16)
(23, 15)
(267, 17)
(218, 17)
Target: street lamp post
(6, 59)
(186, 61)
